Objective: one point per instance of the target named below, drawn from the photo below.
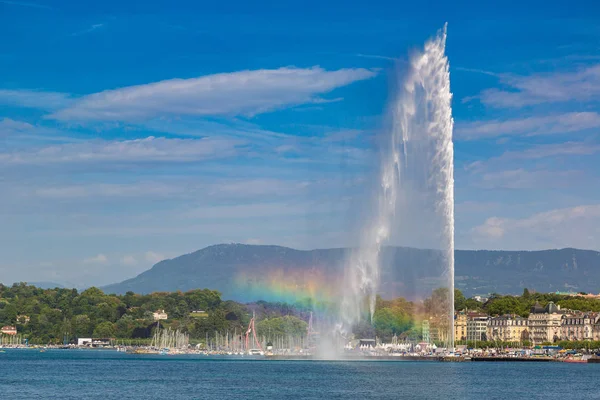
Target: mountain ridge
(254, 272)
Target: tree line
(47, 316)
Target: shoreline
(315, 358)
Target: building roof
(552, 308)
(537, 308)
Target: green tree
(281, 326)
(460, 302)
(82, 326)
(389, 322)
(105, 329)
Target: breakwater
(366, 358)
(515, 359)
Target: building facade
(477, 326)
(9, 330)
(460, 326)
(545, 323)
(578, 326)
(508, 328)
(596, 328)
(425, 331)
(160, 315)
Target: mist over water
(414, 201)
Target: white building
(578, 326)
(545, 323)
(159, 315)
(477, 326)
(84, 341)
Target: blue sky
(139, 131)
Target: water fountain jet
(415, 195)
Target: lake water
(81, 374)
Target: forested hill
(252, 272)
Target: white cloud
(141, 189)
(524, 179)
(465, 207)
(174, 189)
(536, 152)
(11, 127)
(34, 99)
(553, 150)
(137, 150)
(22, 132)
(566, 227)
(153, 257)
(531, 126)
(257, 187)
(128, 260)
(235, 93)
(99, 259)
(581, 85)
(257, 210)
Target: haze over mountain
(47, 285)
(255, 272)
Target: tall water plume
(414, 203)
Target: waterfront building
(508, 328)
(84, 341)
(477, 326)
(596, 328)
(9, 330)
(439, 330)
(578, 326)
(425, 331)
(460, 326)
(160, 315)
(93, 342)
(545, 323)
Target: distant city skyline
(133, 133)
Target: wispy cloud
(35, 99)
(21, 132)
(25, 4)
(580, 85)
(256, 210)
(552, 150)
(375, 56)
(173, 189)
(99, 259)
(119, 190)
(476, 71)
(10, 127)
(531, 180)
(88, 30)
(575, 226)
(236, 93)
(531, 126)
(138, 150)
(129, 261)
(535, 152)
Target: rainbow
(287, 285)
